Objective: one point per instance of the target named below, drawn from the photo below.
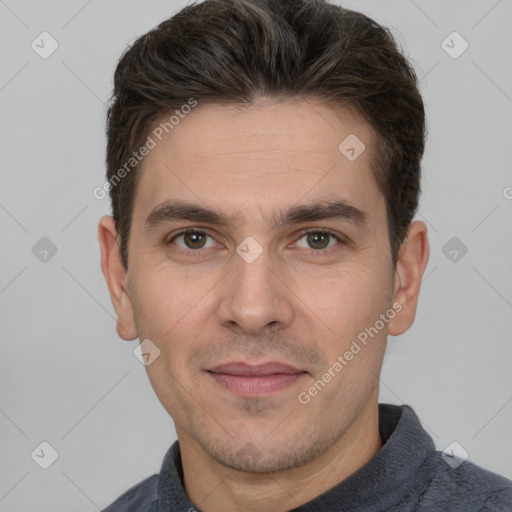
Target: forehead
(249, 158)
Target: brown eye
(318, 240)
(194, 240)
(191, 239)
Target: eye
(318, 240)
(192, 239)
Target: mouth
(256, 380)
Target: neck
(214, 487)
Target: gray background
(65, 376)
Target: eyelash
(197, 252)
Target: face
(271, 311)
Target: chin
(262, 455)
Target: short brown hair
(236, 51)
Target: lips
(247, 370)
(256, 380)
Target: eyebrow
(322, 210)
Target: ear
(411, 263)
(115, 275)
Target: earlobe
(115, 275)
(411, 263)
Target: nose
(255, 297)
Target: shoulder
(138, 498)
(466, 488)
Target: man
(264, 170)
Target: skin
(298, 302)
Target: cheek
(351, 307)
(165, 305)
(167, 312)
(349, 299)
